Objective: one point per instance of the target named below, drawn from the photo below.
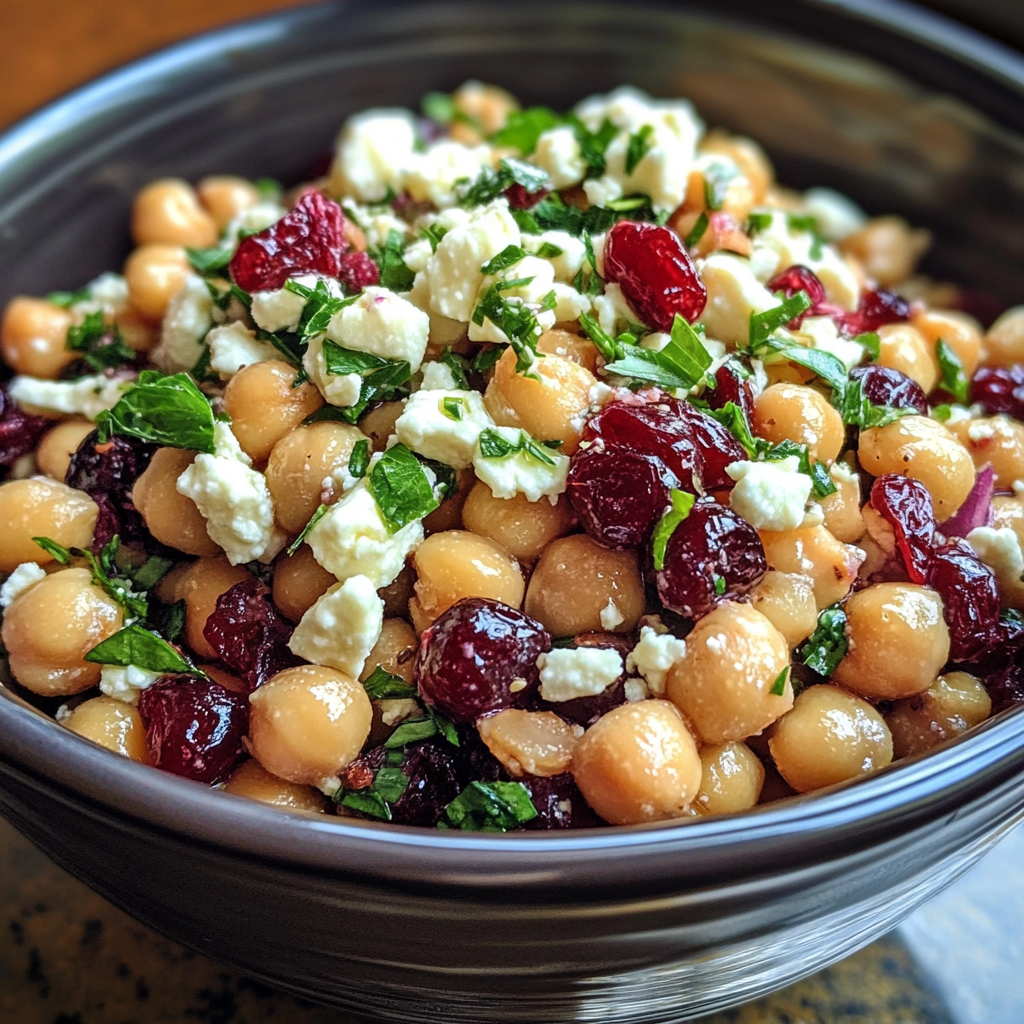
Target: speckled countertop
(69, 957)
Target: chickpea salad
(528, 470)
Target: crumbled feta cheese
(573, 255)
(233, 346)
(437, 376)
(1000, 550)
(444, 332)
(257, 217)
(431, 176)
(352, 540)
(653, 657)
(126, 683)
(734, 294)
(539, 276)
(233, 498)
(108, 292)
(189, 316)
(62, 714)
(88, 396)
(394, 710)
(823, 335)
(521, 473)
(339, 631)
(417, 255)
(560, 155)
(429, 431)
(373, 150)
(599, 395)
(280, 309)
(383, 324)
(611, 616)
(837, 215)
(570, 672)
(634, 690)
(983, 430)
(341, 389)
(569, 303)
(843, 473)
(376, 223)
(612, 310)
(770, 495)
(23, 577)
(958, 414)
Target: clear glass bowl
(900, 109)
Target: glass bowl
(902, 110)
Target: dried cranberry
(194, 727)
(249, 634)
(713, 555)
(798, 279)
(357, 271)
(732, 384)
(907, 506)
(1006, 688)
(618, 494)
(970, 598)
(476, 657)
(656, 275)
(519, 199)
(433, 772)
(410, 209)
(1000, 389)
(876, 309)
(20, 431)
(718, 448)
(559, 803)
(882, 385)
(309, 238)
(475, 761)
(998, 650)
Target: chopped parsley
(700, 226)
(433, 233)
(779, 686)
(682, 363)
(136, 645)
(313, 520)
(523, 129)
(359, 460)
(717, 178)
(374, 801)
(452, 408)
(319, 309)
(682, 504)
(508, 257)
(98, 344)
(382, 378)
(548, 251)
(211, 262)
(954, 378)
(412, 730)
(593, 145)
(516, 319)
(491, 807)
(638, 147)
(459, 368)
(400, 488)
(390, 258)
(383, 685)
(68, 299)
(491, 183)
(828, 644)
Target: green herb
(459, 368)
(593, 145)
(269, 189)
(168, 411)
(764, 325)
(859, 411)
(697, 231)
(516, 320)
(548, 251)
(169, 619)
(68, 299)
(492, 183)
(954, 379)
(433, 233)
(719, 584)
(151, 572)
(98, 344)
(319, 309)
(779, 686)
(210, 262)
(682, 363)
(412, 730)
(871, 341)
(524, 128)
(394, 274)
(682, 503)
(495, 446)
(439, 107)
(805, 222)
(942, 412)
(609, 347)
(491, 807)
(320, 512)
(452, 408)
(389, 783)
(400, 488)
(822, 484)
(758, 222)
(359, 459)
(828, 644)
(135, 645)
(485, 359)
(508, 257)
(382, 685)
(638, 148)
(716, 184)
(56, 551)
(382, 378)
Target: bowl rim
(919, 790)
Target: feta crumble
(653, 657)
(611, 616)
(88, 396)
(341, 389)
(373, 150)
(189, 316)
(520, 472)
(384, 324)
(127, 682)
(559, 153)
(437, 376)
(734, 295)
(21, 578)
(999, 548)
(570, 672)
(233, 346)
(425, 428)
(770, 495)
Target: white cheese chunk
(539, 276)
(374, 149)
(394, 710)
(257, 217)
(437, 376)
(189, 316)
(23, 577)
(612, 310)
(279, 309)
(653, 657)
(444, 332)
(822, 334)
(431, 176)
(384, 324)
(233, 346)
(521, 473)
(126, 683)
(558, 152)
(429, 431)
(108, 292)
(341, 389)
(88, 396)
(377, 222)
(999, 548)
(733, 295)
(611, 616)
(569, 303)
(572, 256)
(570, 672)
(837, 215)
(770, 495)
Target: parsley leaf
(523, 128)
(700, 225)
(954, 379)
(858, 410)
(495, 446)
(394, 274)
(433, 233)
(508, 257)
(389, 783)
(438, 107)
(593, 145)
(763, 325)
(639, 145)
(400, 488)
(779, 686)
(458, 366)
(871, 341)
(452, 408)
(315, 518)
(212, 261)
(682, 503)
(68, 299)
(359, 459)
(136, 645)
(548, 251)
(382, 685)
(382, 378)
(716, 183)
(491, 183)
(828, 644)
(100, 346)
(319, 309)
(515, 319)
(491, 807)
(412, 730)
(682, 363)
(758, 222)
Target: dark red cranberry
(798, 279)
(475, 762)
(906, 506)
(718, 448)
(519, 199)
(249, 634)
(587, 710)
(714, 555)
(476, 655)
(194, 727)
(19, 431)
(882, 385)
(559, 803)
(410, 209)
(309, 238)
(876, 309)
(618, 494)
(1006, 688)
(656, 275)
(357, 271)
(732, 384)
(970, 598)
(998, 650)
(1000, 389)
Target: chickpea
(997, 441)
(954, 703)
(782, 371)
(960, 331)
(637, 763)
(523, 528)
(33, 333)
(923, 449)
(200, 587)
(888, 248)
(49, 628)
(731, 779)
(37, 507)
(456, 564)
(793, 412)
(576, 579)
(559, 342)
(250, 779)
(154, 274)
(842, 510)
(302, 463)
(167, 212)
(448, 515)
(786, 600)
(723, 683)
(379, 423)
(903, 347)
(550, 408)
(485, 105)
(58, 444)
(1003, 344)
(814, 552)
(898, 641)
(751, 159)
(394, 651)
(172, 518)
(225, 196)
(264, 406)
(308, 723)
(529, 742)
(830, 736)
(112, 724)
(299, 582)
(139, 334)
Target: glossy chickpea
(225, 196)
(842, 510)
(731, 779)
(154, 274)
(902, 347)
(33, 333)
(793, 412)
(38, 507)
(379, 423)
(924, 450)
(523, 528)
(888, 249)
(529, 742)
(725, 680)
(394, 651)
(785, 372)
(299, 582)
(58, 444)
(786, 600)
(456, 564)
(50, 627)
(954, 703)
(1009, 512)
(960, 331)
(251, 780)
(830, 736)
(112, 724)
(997, 441)
(308, 723)
(814, 552)
(172, 518)
(264, 406)
(205, 580)
(637, 763)
(168, 212)
(550, 408)
(139, 333)
(448, 515)
(1003, 344)
(487, 108)
(751, 159)
(575, 579)
(898, 641)
(568, 345)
